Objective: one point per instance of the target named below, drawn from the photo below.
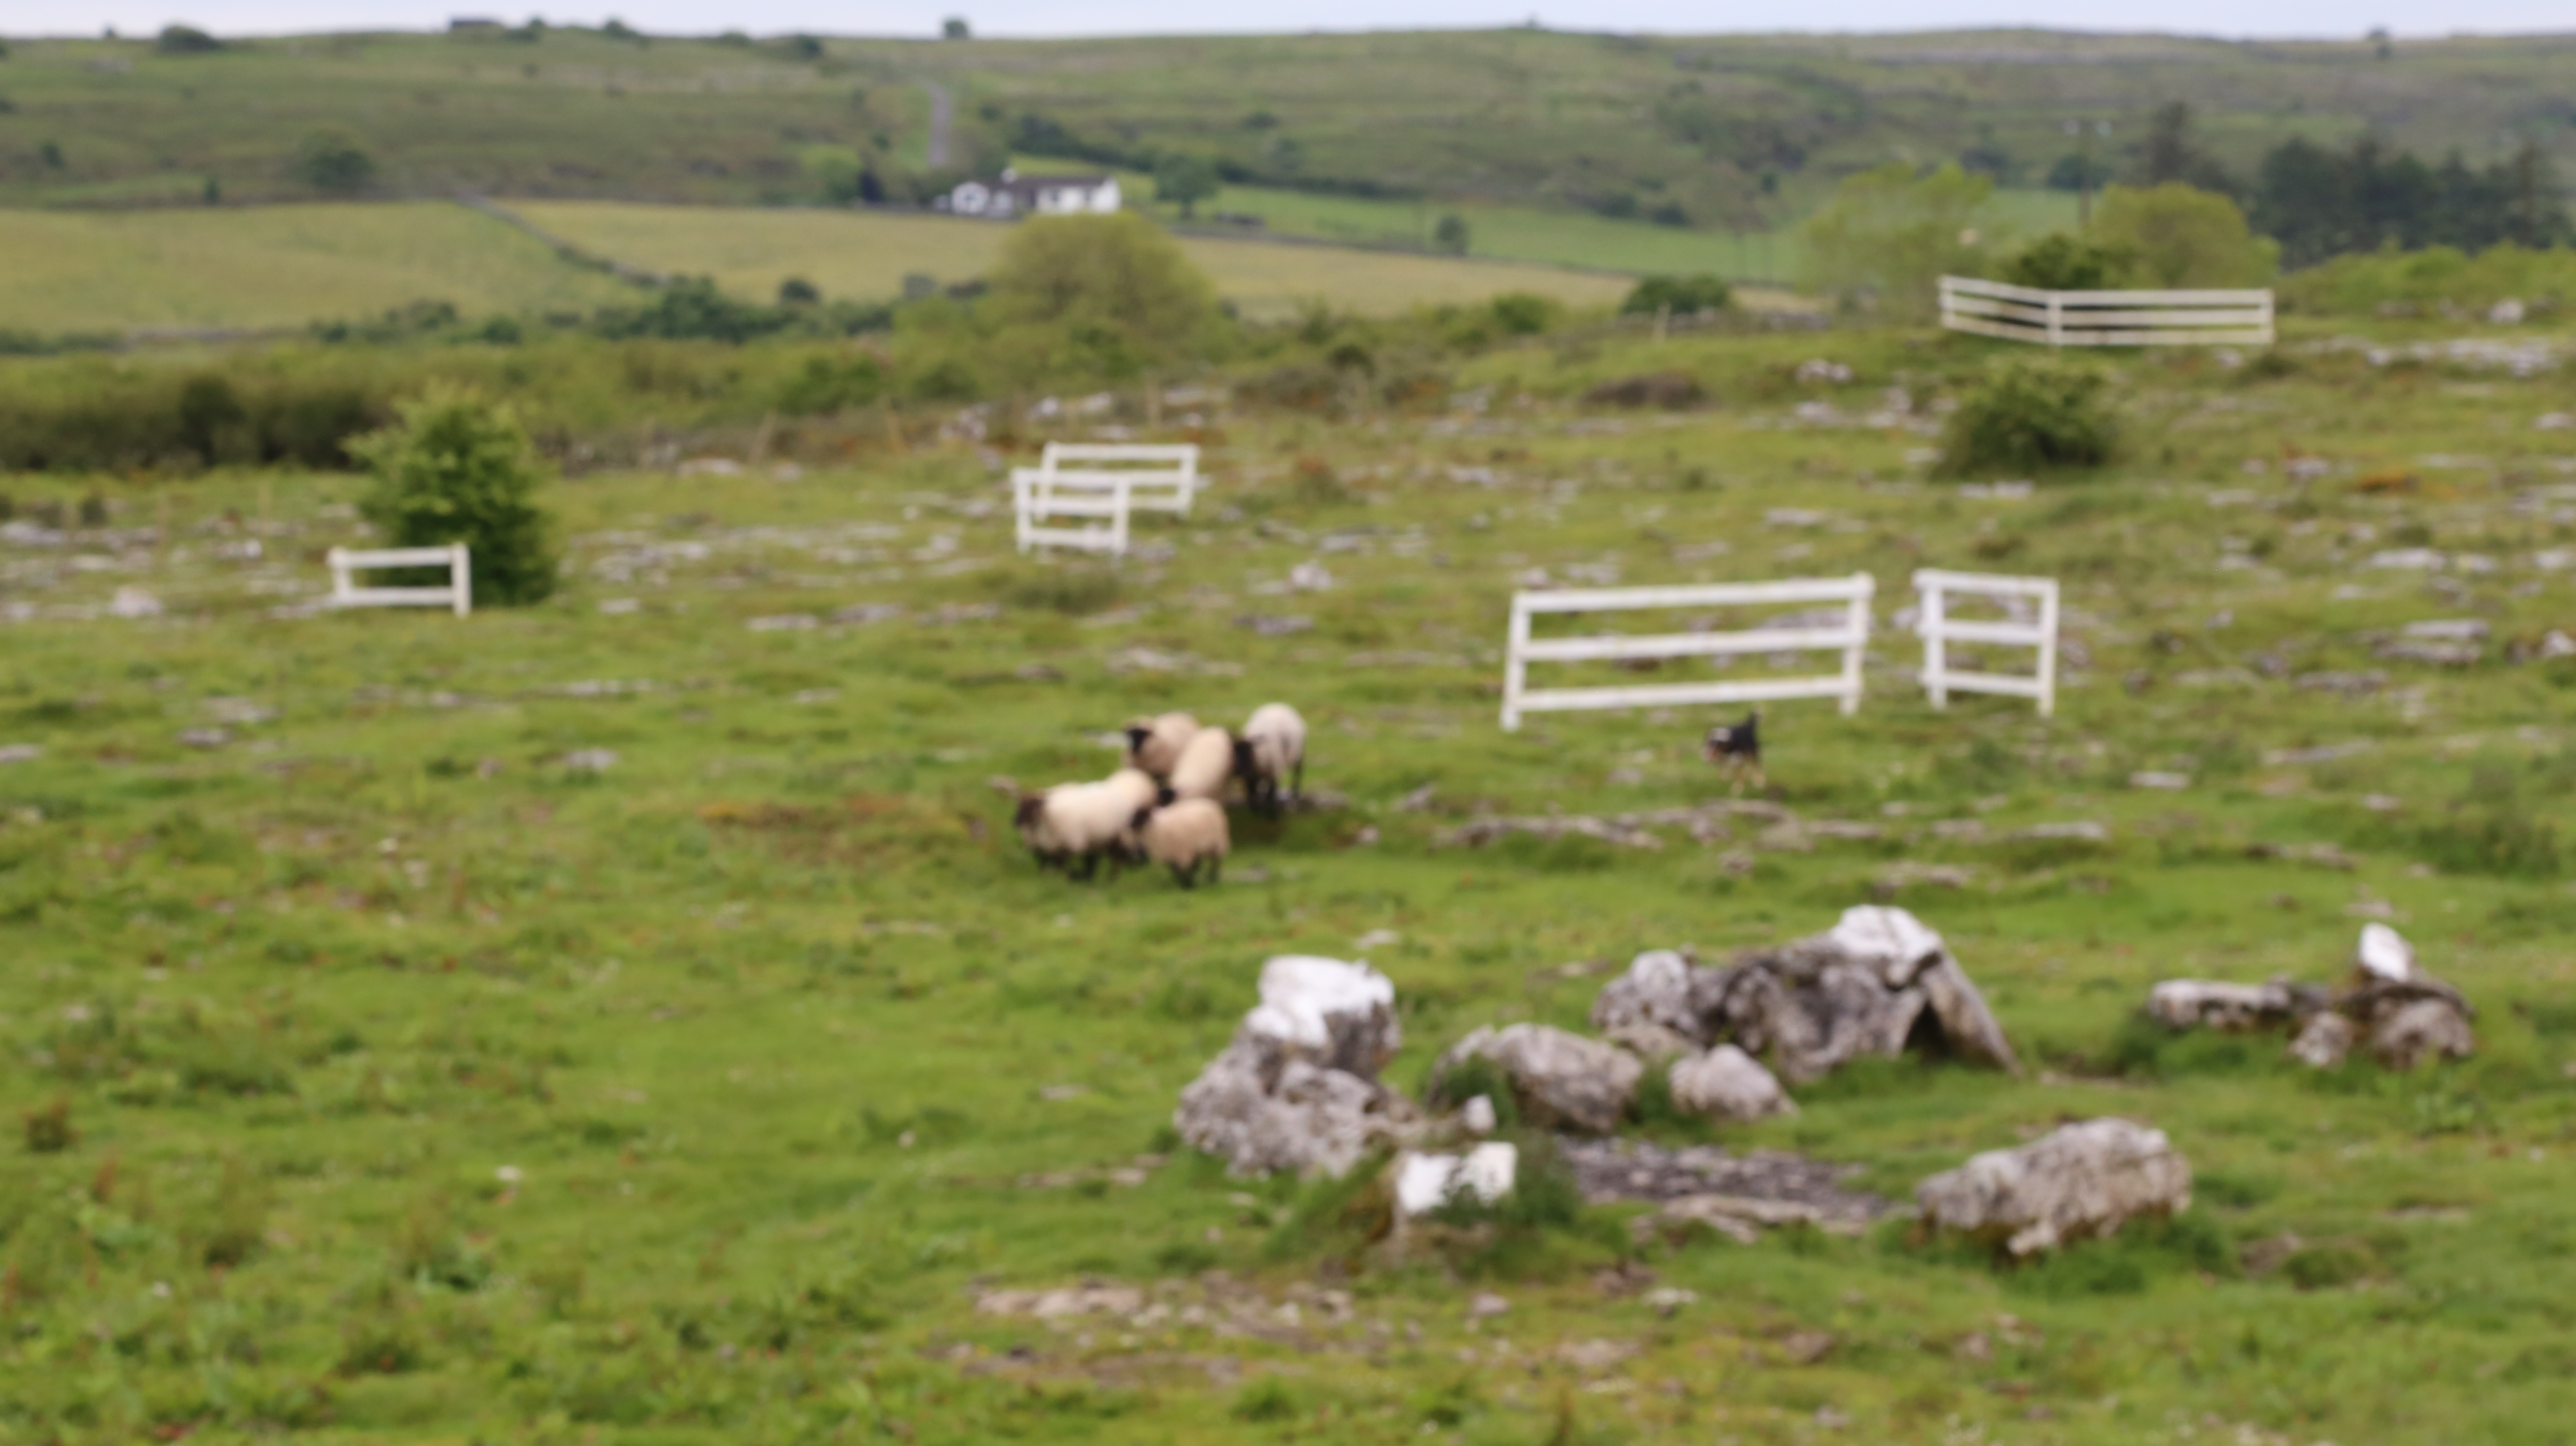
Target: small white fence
(1161, 478)
(1850, 638)
(1111, 482)
(458, 594)
(1037, 501)
(1939, 630)
(2106, 318)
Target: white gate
(1038, 497)
(1939, 629)
(458, 594)
(1850, 637)
(1161, 478)
(2106, 318)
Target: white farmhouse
(1013, 194)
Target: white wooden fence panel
(1938, 630)
(458, 595)
(1850, 639)
(1163, 477)
(2106, 318)
(1038, 496)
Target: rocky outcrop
(2082, 1180)
(1726, 1084)
(2405, 1015)
(1558, 1080)
(1880, 982)
(1482, 1176)
(1297, 1089)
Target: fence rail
(2106, 318)
(1163, 477)
(1938, 630)
(458, 595)
(1038, 497)
(1850, 638)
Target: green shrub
(1520, 313)
(49, 1129)
(185, 40)
(1684, 294)
(2062, 262)
(2030, 417)
(330, 159)
(457, 469)
(1267, 1399)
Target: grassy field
(867, 255)
(274, 266)
(1740, 133)
(1561, 238)
(630, 1019)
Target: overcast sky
(2307, 18)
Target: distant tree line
(2320, 201)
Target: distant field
(853, 254)
(272, 266)
(1556, 238)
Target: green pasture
(868, 255)
(631, 1019)
(275, 266)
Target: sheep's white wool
(1083, 817)
(1299, 991)
(1165, 735)
(1184, 833)
(1423, 1183)
(1278, 736)
(1206, 762)
(2385, 954)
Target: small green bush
(1267, 1399)
(2062, 262)
(331, 160)
(2030, 417)
(1520, 313)
(458, 469)
(49, 1128)
(1684, 294)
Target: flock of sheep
(1167, 804)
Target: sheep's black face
(1026, 813)
(1136, 737)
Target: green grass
(1743, 133)
(868, 254)
(766, 1020)
(274, 266)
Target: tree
(1185, 179)
(1891, 233)
(955, 28)
(797, 291)
(330, 159)
(2184, 237)
(185, 40)
(458, 469)
(1451, 234)
(1686, 295)
(1118, 281)
(2172, 154)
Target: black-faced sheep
(1073, 826)
(1154, 744)
(1271, 748)
(1206, 762)
(1184, 837)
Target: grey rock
(2080, 1180)
(1558, 1079)
(2323, 1041)
(1297, 1087)
(1727, 1084)
(2421, 1029)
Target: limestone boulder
(2430, 1028)
(2079, 1181)
(2324, 1041)
(1559, 1080)
(1297, 1087)
(1727, 1084)
(2210, 1004)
